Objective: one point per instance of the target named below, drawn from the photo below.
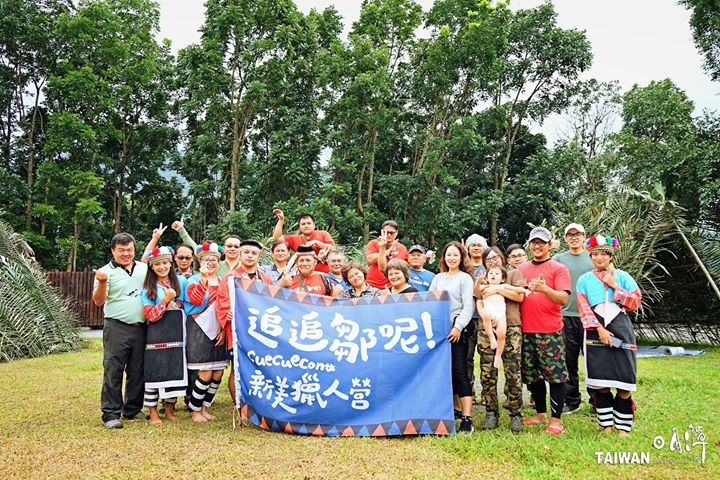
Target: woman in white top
(455, 279)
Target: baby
(494, 305)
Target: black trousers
(459, 353)
(574, 334)
(123, 351)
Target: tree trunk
(31, 161)
(121, 180)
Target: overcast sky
(633, 41)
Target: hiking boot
(458, 414)
(491, 421)
(466, 426)
(516, 423)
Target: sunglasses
(183, 258)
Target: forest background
(425, 117)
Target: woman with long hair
(455, 279)
(163, 296)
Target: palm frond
(35, 319)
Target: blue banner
(308, 364)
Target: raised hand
(382, 240)
(178, 225)
(101, 277)
(157, 233)
(279, 214)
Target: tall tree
(538, 77)
(705, 24)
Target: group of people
(532, 318)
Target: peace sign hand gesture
(157, 233)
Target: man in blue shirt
(419, 277)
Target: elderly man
(307, 279)
(320, 240)
(543, 349)
(578, 262)
(249, 252)
(389, 248)
(336, 262)
(117, 289)
(419, 277)
(280, 254)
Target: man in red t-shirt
(307, 279)
(543, 348)
(382, 250)
(320, 240)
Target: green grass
(50, 428)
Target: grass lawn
(50, 428)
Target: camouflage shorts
(543, 358)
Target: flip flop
(555, 430)
(531, 421)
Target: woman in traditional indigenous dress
(163, 296)
(604, 296)
(206, 351)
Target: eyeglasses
(178, 257)
(575, 235)
(518, 255)
(538, 242)
(210, 260)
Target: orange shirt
(295, 241)
(312, 284)
(376, 278)
(222, 304)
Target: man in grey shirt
(577, 260)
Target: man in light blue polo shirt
(117, 288)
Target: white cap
(575, 226)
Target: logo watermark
(688, 446)
(692, 437)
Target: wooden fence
(78, 287)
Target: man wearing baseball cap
(577, 260)
(419, 277)
(543, 350)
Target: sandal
(555, 429)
